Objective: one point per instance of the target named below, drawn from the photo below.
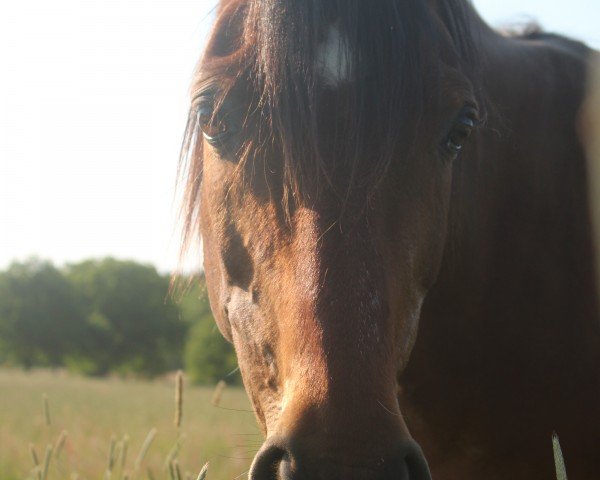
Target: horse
(392, 203)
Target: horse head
(320, 152)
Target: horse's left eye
(460, 133)
(214, 128)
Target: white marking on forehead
(333, 57)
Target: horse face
(321, 295)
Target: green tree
(208, 356)
(131, 327)
(41, 316)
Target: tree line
(108, 316)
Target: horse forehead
(333, 59)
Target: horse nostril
(416, 464)
(268, 463)
(285, 468)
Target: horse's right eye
(213, 126)
(460, 132)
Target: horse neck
(521, 213)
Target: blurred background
(93, 101)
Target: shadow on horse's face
(320, 292)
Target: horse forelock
(293, 53)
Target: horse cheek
(211, 217)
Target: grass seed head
(174, 470)
(172, 455)
(218, 394)
(34, 455)
(47, 459)
(144, 449)
(124, 447)
(559, 461)
(60, 443)
(110, 462)
(203, 472)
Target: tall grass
(116, 464)
(111, 429)
(559, 461)
(101, 429)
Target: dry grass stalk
(47, 459)
(34, 455)
(174, 470)
(216, 400)
(124, 447)
(144, 449)
(173, 453)
(559, 461)
(203, 472)
(36, 461)
(110, 462)
(46, 407)
(60, 443)
(117, 455)
(178, 398)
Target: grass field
(94, 410)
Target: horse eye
(214, 128)
(460, 133)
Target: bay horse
(362, 171)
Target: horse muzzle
(285, 459)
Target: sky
(93, 101)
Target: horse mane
(392, 47)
